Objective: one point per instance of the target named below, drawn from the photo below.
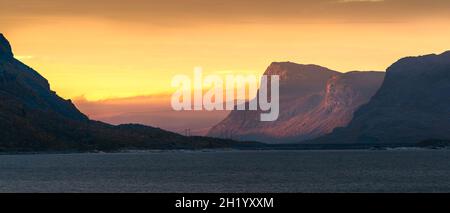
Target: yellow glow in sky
(101, 57)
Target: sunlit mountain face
(116, 60)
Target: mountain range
(408, 103)
(314, 100)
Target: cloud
(353, 1)
(184, 12)
(153, 110)
(24, 57)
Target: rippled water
(229, 171)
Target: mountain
(412, 105)
(31, 89)
(34, 118)
(313, 101)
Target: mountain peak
(295, 66)
(5, 47)
(287, 70)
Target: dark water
(229, 171)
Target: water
(229, 171)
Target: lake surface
(229, 171)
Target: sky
(99, 51)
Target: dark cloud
(169, 11)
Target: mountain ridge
(411, 106)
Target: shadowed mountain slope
(412, 105)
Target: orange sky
(107, 49)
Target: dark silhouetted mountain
(31, 89)
(34, 118)
(313, 101)
(412, 105)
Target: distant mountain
(313, 101)
(412, 105)
(34, 118)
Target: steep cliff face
(313, 101)
(344, 94)
(412, 105)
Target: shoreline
(280, 147)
